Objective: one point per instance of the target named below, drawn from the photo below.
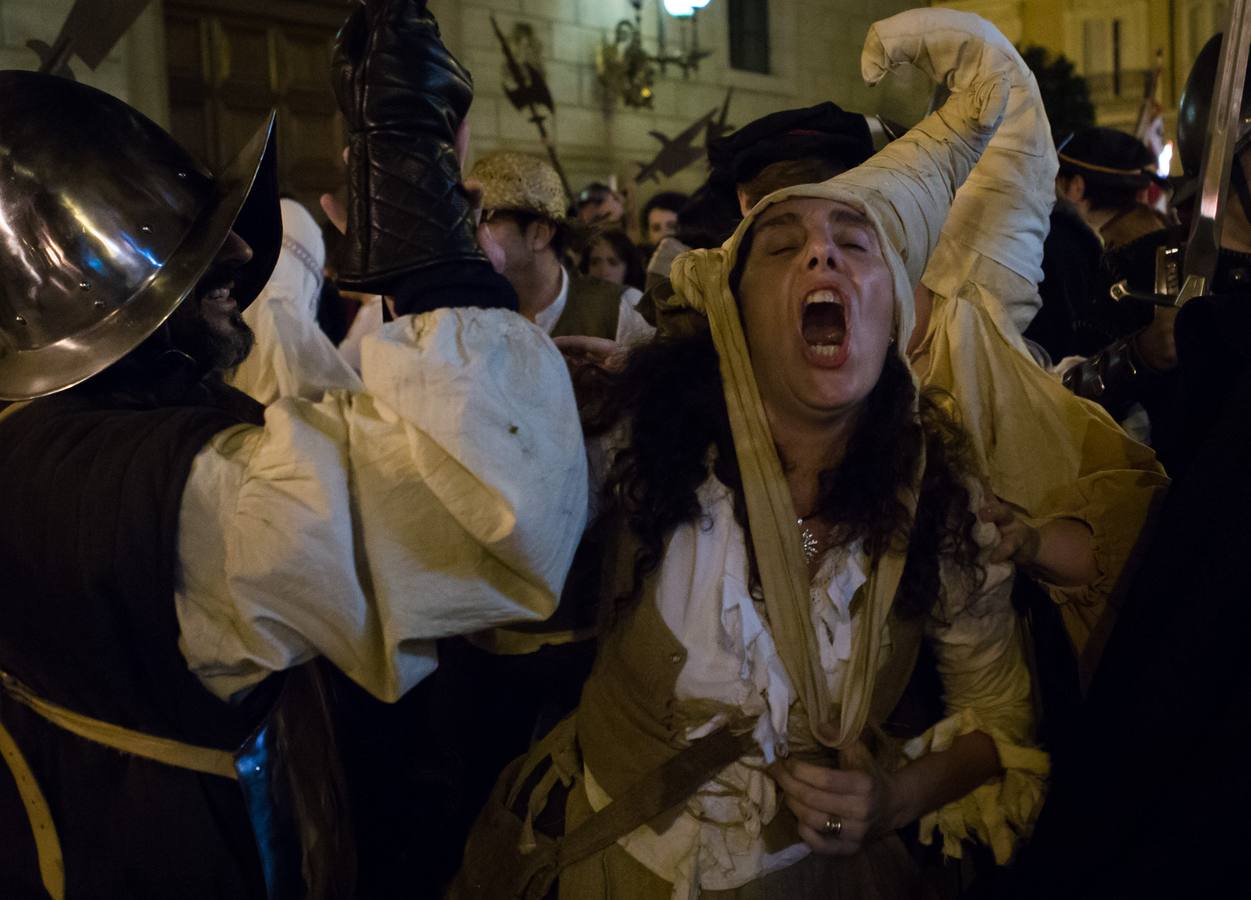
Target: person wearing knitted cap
(1107, 175)
(523, 214)
(791, 520)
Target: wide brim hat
(1110, 157)
(113, 224)
(522, 183)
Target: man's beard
(226, 351)
(217, 345)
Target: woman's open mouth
(824, 325)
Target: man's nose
(234, 253)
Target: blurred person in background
(612, 256)
(1153, 802)
(1102, 187)
(1107, 176)
(600, 205)
(659, 219)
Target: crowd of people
(834, 536)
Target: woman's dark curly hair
(669, 393)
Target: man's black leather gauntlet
(404, 95)
(1112, 377)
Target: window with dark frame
(749, 35)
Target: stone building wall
(815, 52)
(1082, 30)
(815, 56)
(134, 71)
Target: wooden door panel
(229, 65)
(246, 57)
(190, 124)
(184, 46)
(306, 61)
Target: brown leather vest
(591, 309)
(627, 723)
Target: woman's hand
(1060, 552)
(1018, 541)
(839, 809)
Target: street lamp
(627, 71)
(682, 9)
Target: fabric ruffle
(1000, 813)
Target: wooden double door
(230, 61)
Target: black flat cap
(824, 131)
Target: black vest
(91, 482)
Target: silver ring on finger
(832, 826)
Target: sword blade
(1224, 129)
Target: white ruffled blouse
(703, 595)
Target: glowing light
(1166, 159)
(683, 8)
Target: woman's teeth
(824, 322)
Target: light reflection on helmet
(106, 225)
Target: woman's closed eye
(855, 239)
(782, 241)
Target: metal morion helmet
(1196, 108)
(106, 225)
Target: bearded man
(183, 568)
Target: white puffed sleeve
(978, 645)
(446, 498)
